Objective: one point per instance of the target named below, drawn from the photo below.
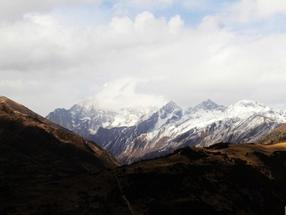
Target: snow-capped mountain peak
(169, 108)
(244, 108)
(89, 104)
(208, 105)
(249, 103)
(138, 131)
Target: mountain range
(138, 134)
(47, 169)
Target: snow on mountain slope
(87, 117)
(207, 125)
(132, 135)
(203, 125)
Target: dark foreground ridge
(45, 169)
(239, 179)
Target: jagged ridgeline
(132, 135)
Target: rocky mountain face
(278, 135)
(86, 118)
(172, 127)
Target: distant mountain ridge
(164, 130)
(85, 118)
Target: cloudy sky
(55, 53)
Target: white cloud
(67, 63)
(11, 10)
(152, 2)
(245, 10)
(267, 8)
(176, 24)
(124, 6)
(122, 93)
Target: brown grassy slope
(239, 179)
